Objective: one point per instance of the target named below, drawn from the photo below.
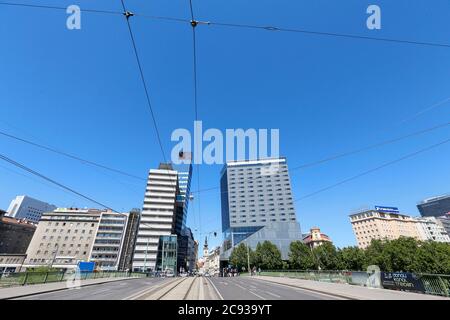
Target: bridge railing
(35, 277)
(435, 284)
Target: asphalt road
(117, 290)
(231, 288)
(245, 288)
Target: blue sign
(86, 266)
(404, 281)
(387, 209)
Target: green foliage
(301, 257)
(409, 255)
(239, 256)
(403, 254)
(326, 256)
(43, 269)
(351, 258)
(267, 256)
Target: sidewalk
(16, 292)
(349, 291)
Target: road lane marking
(311, 292)
(261, 297)
(273, 294)
(215, 288)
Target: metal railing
(435, 284)
(29, 278)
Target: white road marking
(215, 288)
(273, 294)
(261, 297)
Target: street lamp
(146, 248)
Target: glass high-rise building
(163, 219)
(257, 204)
(435, 207)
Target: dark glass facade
(167, 254)
(434, 207)
(224, 202)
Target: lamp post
(146, 248)
(248, 259)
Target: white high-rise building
(157, 217)
(24, 207)
(432, 229)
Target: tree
(267, 256)
(300, 256)
(239, 256)
(351, 258)
(326, 256)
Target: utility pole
(145, 257)
(248, 259)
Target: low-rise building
(432, 229)
(63, 238)
(379, 224)
(10, 263)
(315, 238)
(211, 263)
(445, 222)
(15, 234)
(109, 239)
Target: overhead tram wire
(92, 163)
(36, 6)
(345, 154)
(194, 24)
(329, 34)
(384, 165)
(127, 15)
(23, 167)
(244, 26)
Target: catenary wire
(345, 154)
(69, 155)
(248, 26)
(144, 83)
(23, 167)
(194, 57)
(410, 155)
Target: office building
(163, 219)
(109, 238)
(382, 224)
(315, 238)
(257, 205)
(445, 222)
(432, 229)
(63, 238)
(157, 217)
(15, 234)
(24, 207)
(129, 241)
(435, 207)
(10, 263)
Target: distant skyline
(79, 91)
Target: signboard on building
(387, 209)
(86, 266)
(402, 281)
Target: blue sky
(79, 91)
